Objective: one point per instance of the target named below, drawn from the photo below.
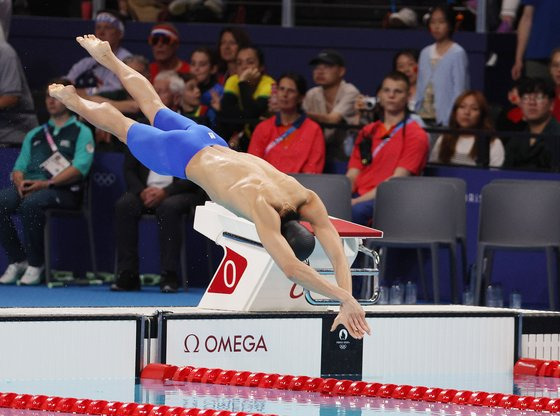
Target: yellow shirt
(262, 91)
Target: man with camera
(395, 145)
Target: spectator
(245, 97)
(537, 35)
(555, 74)
(5, 19)
(197, 10)
(508, 13)
(231, 40)
(406, 61)
(443, 69)
(166, 197)
(144, 10)
(394, 146)
(470, 111)
(191, 106)
(332, 101)
(87, 75)
(500, 14)
(205, 67)
(127, 106)
(511, 117)
(169, 86)
(17, 114)
(290, 141)
(104, 140)
(164, 40)
(54, 159)
(537, 99)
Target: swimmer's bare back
(236, 180)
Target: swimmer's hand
(353, 317)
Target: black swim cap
(299, 238)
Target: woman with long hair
(230, 41)
(470, 111)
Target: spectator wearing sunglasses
(89, 76)
(164, 40)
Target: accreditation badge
(55, 164)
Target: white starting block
(249, 280)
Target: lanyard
(390, 135)
(276, 141)
(49, 138)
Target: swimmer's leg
(104, 116)
(135, 84)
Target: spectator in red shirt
(290, 141)
(164, 40)
(396, 145)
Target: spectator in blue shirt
(442, 69)
(538, 34)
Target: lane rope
(535, 367)
(336, 387)
(104, 407)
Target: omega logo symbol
(195, 343)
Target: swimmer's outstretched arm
(267, 222)
(139, 88)
(315, 213)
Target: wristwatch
(51, 184)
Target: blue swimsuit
(168, 146)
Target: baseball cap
(405, 17)
(329, 57)
(166, 30)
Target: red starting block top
(350, 229)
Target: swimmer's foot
(65, 94)
(98, 49)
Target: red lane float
(103, 407)
(336, 387)
(534, 367)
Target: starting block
(248, 280)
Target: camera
(370, 102)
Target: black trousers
(129, 209)
(31, 210)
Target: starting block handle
(374, 272)
(370, 253)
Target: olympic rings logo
(104, 178)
